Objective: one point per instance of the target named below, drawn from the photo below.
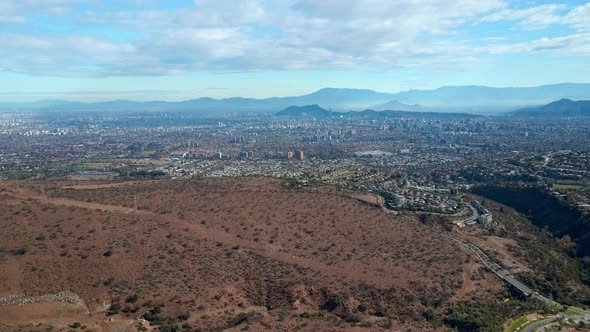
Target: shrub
(108, 281)
(428, 314)
(133, 298)
(19, 251)
(184, 316)
(114, 308)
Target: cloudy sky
(174, 50)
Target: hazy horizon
(107, 96)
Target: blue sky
(173, 50)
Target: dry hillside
(216, 253)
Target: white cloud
(60, 56)
(537, 17)
(4, 19)
(577, 44)
(543, 16)
(579, 17)
(224, 35)
(9, 13)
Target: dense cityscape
(408, 157)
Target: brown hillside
(215, 248)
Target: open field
(91, 166)
(567, 186)
(217, 252)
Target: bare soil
(215, 248)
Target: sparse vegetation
(486, 316)
(172, 267)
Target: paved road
(495, 267)
(471, 219)
(541, 325)
(546, 323)
(543, 322)
(492, 265)
(547, 160)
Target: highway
(495, 267)
(542, 322)
(492, 265)
(540, 325)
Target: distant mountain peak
(563, 107)
(313, 110)
(329, 89)
(466, 98)
(395, 105)
(563, 101)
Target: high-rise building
(246, 155)
(299, 155)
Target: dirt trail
(370, 198)
(223, 237)
(11, 274)
(468, 285)
(101, 186)
(60, 316)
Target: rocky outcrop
(21, 299)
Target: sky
(91, 50)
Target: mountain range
(471, 99)
(560, 108)
(315, 111)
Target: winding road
(495, 267)
(542, 324)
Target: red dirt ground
(218, 247)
